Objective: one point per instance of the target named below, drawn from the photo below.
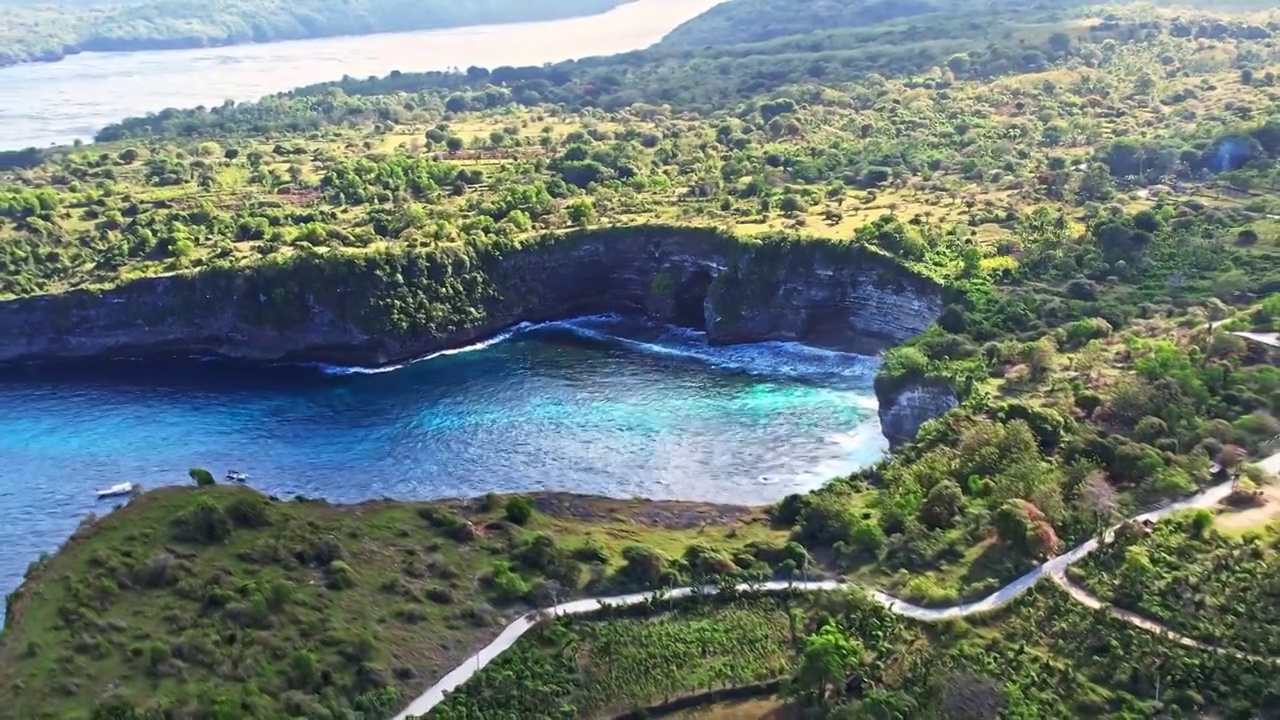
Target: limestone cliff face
(905, 409)
(373, 310)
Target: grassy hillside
(50, 30)
(221, 600)
(754, 21)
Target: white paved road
(1055, 567)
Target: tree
(1201, 521)
(1022, 526)
(202, 477)
(454, 143)
(942, 504)
(829, 655)
(1098, 499)
(457, 103)
(1041, 356)
(581, 212)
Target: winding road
(1055, 569)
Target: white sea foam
(772, 359)
(361, 370)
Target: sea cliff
(904, 408)
(385, 306)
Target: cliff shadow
(834, 327)
(690, 300)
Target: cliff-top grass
(189, 595)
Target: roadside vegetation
(1214, 587)
(840, 655)
(1094, 188)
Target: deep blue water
(594, 405)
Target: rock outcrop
(904, 409)
(378, 308)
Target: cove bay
(596, 405)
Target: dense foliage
(948, 50)
(574, 669)
(35, 32)
(843, 656)
(1211, 586)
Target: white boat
(117, 490)
(236, 476)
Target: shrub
(519, 510)
(643, 567)
(507, 583)
(544, 555)
(322, 552)
(250, 511)
(490, 502)
(704, 561)
(341, 576)
(788, 510)
(202, 477)
(115, 707)
(448, 521)
(592, 552)
(304, 670)
(160, 571)
(203, 523)
(441, 595)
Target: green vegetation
(217, 600)
(594, 669)
(843, 656)
(1210, 586)
(1094, 189)
(33, 31)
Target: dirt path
(1084, 597)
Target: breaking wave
(770, 359)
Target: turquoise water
(596, 405)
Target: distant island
(50, 31)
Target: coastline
(93, 46)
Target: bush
(441, 595)
(160, 571)
(204, 523)
(450, 522)
(250, 511)
(788, 510)
(592, 552)
(323, 551)
(490, 502)
(507, 583)
(341, 576)
(519, 510)
(202, 477)
(644, 567)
